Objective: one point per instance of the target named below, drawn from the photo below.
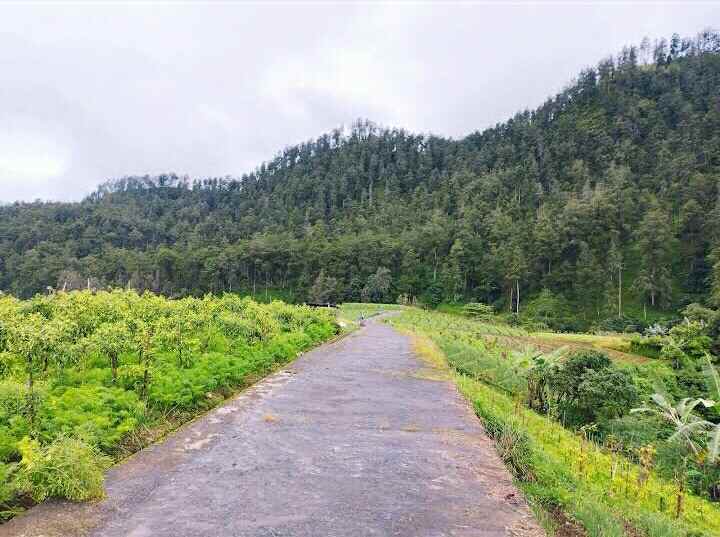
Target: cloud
(90, 92)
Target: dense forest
(606, 198)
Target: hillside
(608, 191)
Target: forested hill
(615, 181)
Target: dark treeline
(606, 196)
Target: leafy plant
(111, 340)
(478, 310)
(66, 468)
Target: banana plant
(713, 446)
(688, 425)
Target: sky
(92, 91)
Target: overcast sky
(90, 91)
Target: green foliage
(691, 338)
(478, 311)
(378, 286)
(549, 310)
(66, 468)
(624, 324)
(605, 394)
(324, 289)
(101, 416)
(685, 345)
(610, 479)
(588, 388)
(512, 442)
(648, 346)
(434, 295)
(82, 371)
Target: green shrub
(550, 310)
(8, 444)
(89, 373)
(606, 394)
(513, 445)
(7, 485)
(477, 310)
(67, 468)
(97, 414)
(633, 431)
(13, 400)
(597, 519)
(647, 346)
(588, 387)
(621, 324)
(692, 338)
(511, 441)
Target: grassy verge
(578, 487)
(356, 311)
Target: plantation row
(83, 376)
(619, 447)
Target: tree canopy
(606, 194)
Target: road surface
(356, 438)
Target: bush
(511, 441)
(550, 310)
(692, 338)
(13, 400)
(588, 387)
(98, 415)
(8, 487)
(634, 431)
(625, 325)
(67, 468)
(647, 346)
(478, 310)
(87, 400)
(606, 394)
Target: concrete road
(356, 438)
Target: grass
(565, 476)
(617, 346)
(355, 311)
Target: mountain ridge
(621, 169)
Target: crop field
(87, 378)
(563, 422)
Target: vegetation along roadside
(600, 446)
(88, 378)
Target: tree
(501, 213)
(111, 340)
(614, 286)
(452, 276)
(606, 394)
(715, 279)
(174, 332)
(378, 286)
(324, 289)
(654, 246)
(589, 278)
(550, 310)
(577, 385)
(26, 340)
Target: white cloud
(89, 92)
